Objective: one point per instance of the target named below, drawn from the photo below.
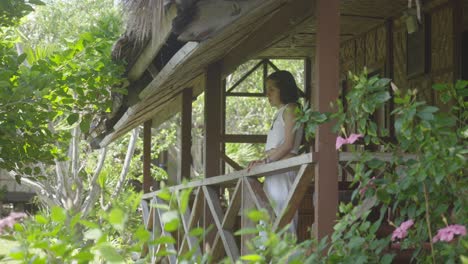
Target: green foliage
(310, 120)
(270, 246)
(11, 11)
(61, 236)
(429, 186)
(41, 101)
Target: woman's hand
(255, 163)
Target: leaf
(196, 232)
(36, 2)
(58, 214)
(117, 218)
(85, 124)
(142, 234)
(257, 215)
(247, 231)
(170, 220)
(72, 118)
(439, 87)
(93, 234)
(109, 253)
(184, 199)
(163, 240)
(252, 257)
(165, 194)
(41, 219)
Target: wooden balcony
(229, 217)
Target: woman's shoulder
(291, 107)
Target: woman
(283, 140)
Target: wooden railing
(248, 193)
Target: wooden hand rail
(247, 187)
(259, 171)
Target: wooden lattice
(347, 57)
(442, 39)
(360, 53)
(381, 44)
(399, 58)
(371, 53)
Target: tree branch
(127, 162)
(94, 186)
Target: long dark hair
(284, 81)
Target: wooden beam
(259, 197)
(159, 211)
(175, 62)
(147, 179)
(245, 94)
(229, 218)
(299, 187)
(154, 45)
(327, 81)
(279, 24)
(213, 120)
(185, 217)
(186, 136)
(231, 163)
(226, 236)
(237, 138)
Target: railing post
(326, 91)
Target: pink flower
(10, 220)
(350, 140)
(402, 230)
(446, 234)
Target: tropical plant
(421, 189)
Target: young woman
(283, 140)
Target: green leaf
(117, 218)
(197, 232)
(165, 194)
(247, 231)
(170, 220)
(109, 253)
(257, 215)
(93, 234)
(41, 219)
(58, 214)
(36, 2)
(164, 240)
(142, 234)
(184, 199)
(72, 118)
(252, 257)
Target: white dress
(277, 187)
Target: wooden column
(326, 91)
(147, 180)
(186, 136)
(213, 118)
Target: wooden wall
(383, 50)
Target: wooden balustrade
(246, 189)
